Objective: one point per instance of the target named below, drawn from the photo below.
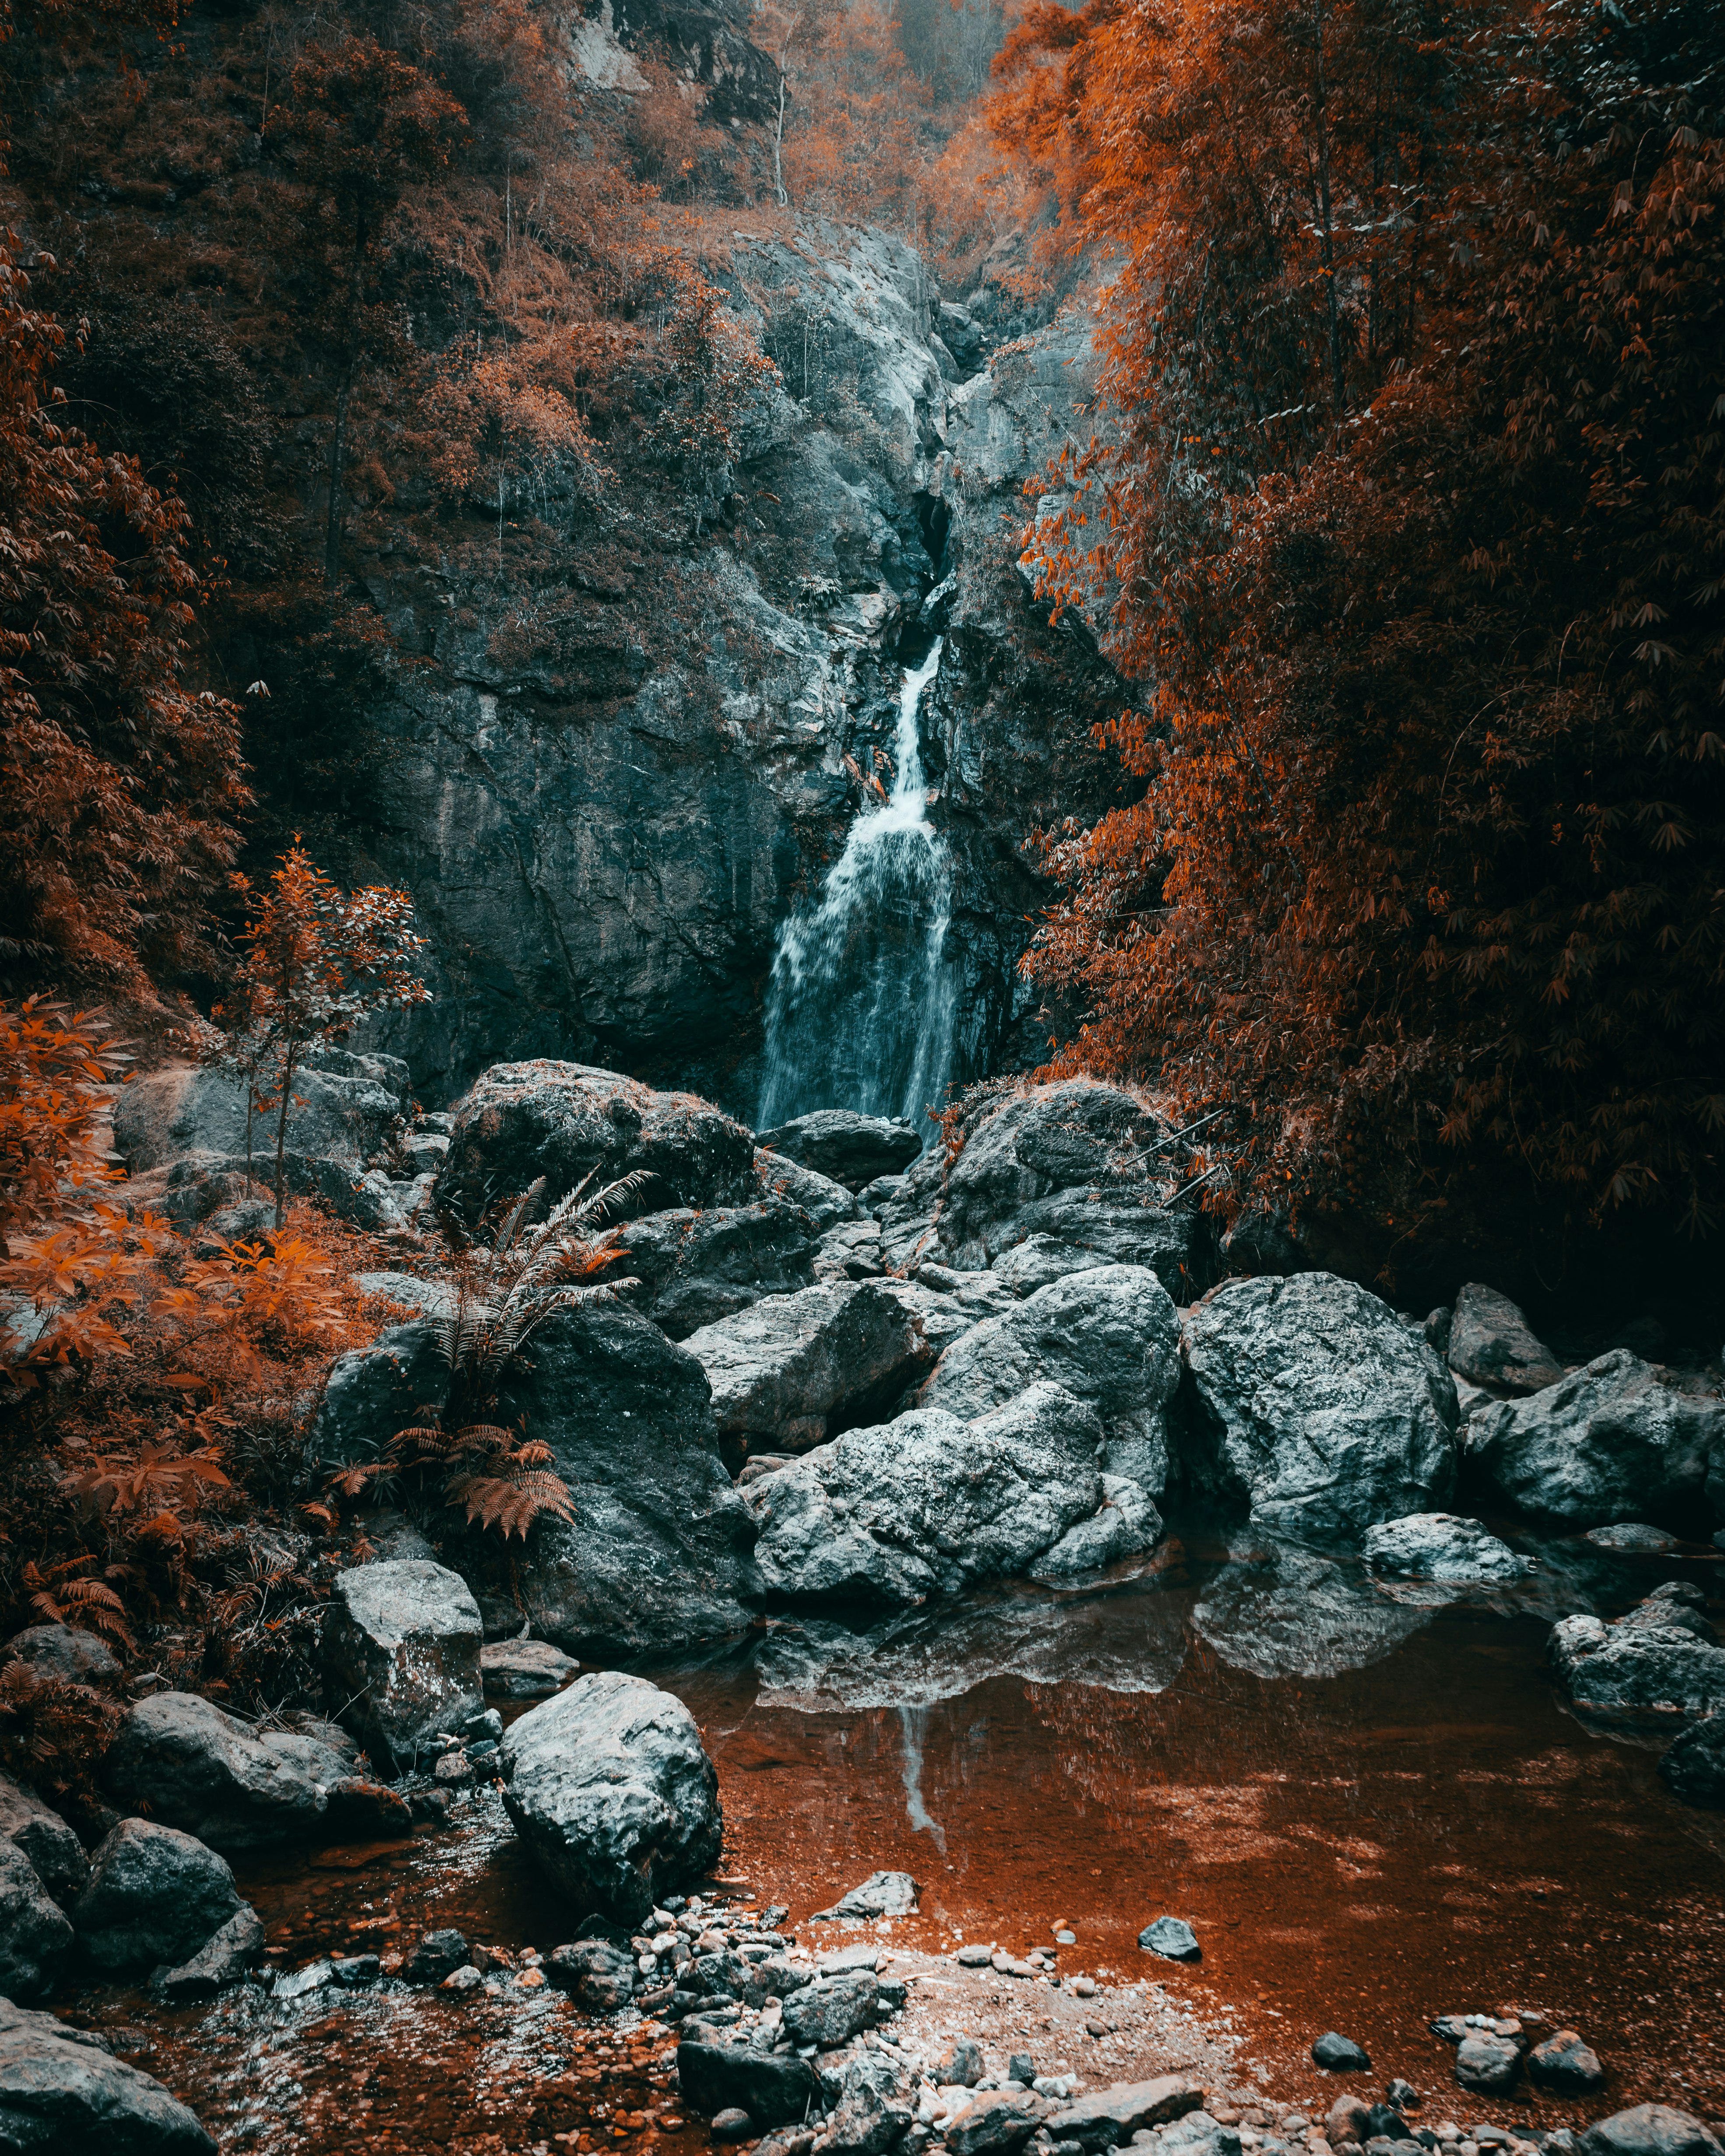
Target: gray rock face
(402, 1641)
(373, 1392)
(1127, 1524)
(524, 1669)
(1320, 1411)
(35, 1934)
(203, 1772)
(1492, 1343)
(613, 1794)
(568, 1120)
(826, 1203)
(1172, 1937)
(1111, 2116)
(61, 2090)
(928, 1504)
(1650, 2130)
(1658, 1665)
(1077, 1134)
(1440, 1546)
(155, 1895)
(851, 1148)
(1110, 1337)
(1109, 1227)
(54, 1851)
(1694, 1766)
(164, 1115)
(773, 2091)
(832, 2009)
(220, 1963)
(785, 1370)
(1608, 1442)
(62, 1653)
(697, 1267)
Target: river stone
(1316, 1407)
(852, 1149)
(1172, 1937)
(600, 1977)
(1650, 2130)
(1111, 2116)
(1658, 1665)
(1693, 1769)
(785, 1370)
(402, 1642)
(165, 1115)
(1490, 2064)
(1109, 1336)
(220, 1963)
(198, 1768)
(1337, 2054)
(695, 1267)
(438, 1954)
(1440, 1546)
(524, 1669)
(1126, 1524)
(881, 1894)
(371, 1393)
(35, 1934)
(612, 1794)
(773, 2091)
(155, 1895)
(64, 1653)
(1492, 1343)
(1076, 1133)
(828, 1203)
(569, 1120)
(997, 2119)
(54, 1851)
(1566, 2065)
(929, 1504)
(62, 2091)
(832, 2009)
(1608, 1443)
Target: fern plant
(64, 1593)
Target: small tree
(313, 964)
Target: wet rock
(1693, 1769)
(1109, 1335)
(1111, 2116)
(928, 1504)
(773, 2090)
(881, 1894)
(1403, 2094)
(359, 1807)
(1657, 1665)
(1316, 1407)
(1127, 1524)
(852, 1149)
(438, 1954)
(62, 1653)
(1440, 1546)
(60, 2089)
(1608, 1443)
(200, 1770)
(402, 1641)
(1650, 2130)
(223, 1961)
(997, 2119)
(162, 1115)
(1566, 2065)
(611, 1791)
(1492, 1343)
(600, 1977)
(1490, 2065)
(355, 1972)
(524, 1669)
(1172, 1937)
(569, 1120)
(36, 1936)
(155, 1895)
(697, 1266)
(784, 1370)
(1633, 1536)
(54, 1852)
(832, 2009)
(1340, 2055)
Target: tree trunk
(287, 1095)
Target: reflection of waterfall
(859, 1011)
(912, 1721)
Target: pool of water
(1374, 1806)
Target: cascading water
(860, 1008)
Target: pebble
(732, 2124)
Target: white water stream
(861, 1007)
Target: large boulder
(63, 1654)
(197, 1768)
(53, 1849)
(1440, 1546)
(62, 2090)
(1315, 1407)
(851, 1148)
(1660, 1665)
(1650, 2130)
(402, 1641)
(35, 1934)
(1109, 1336)
(695, 1267)
(155, 1895)
(1607, 1443)
(790, 1369)
(929, 1504)
(567, 1121)
(1077, 1134)
(169, 1113)
(825, 1201)
(613, 1794)
(1070, 1230)
(1693, 1768)
(1492, 1343)
(371, 1393)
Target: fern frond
(506, 1233)
(511, 1503)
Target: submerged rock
(36, 1935)
(851, 1148)
(200, 1770)
(403, 1644)
(1660, 1664)
(54, 1852)
(1317, 1408)
(1492, 1343)
(60, 2089)
(155, 1895)
(1608, 1443)
(1109, 1335)
(220, 1962)
(1291, 1613)
(613, 1794)
(784, 1370)
(1440, 1546)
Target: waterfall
(860, 1005)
